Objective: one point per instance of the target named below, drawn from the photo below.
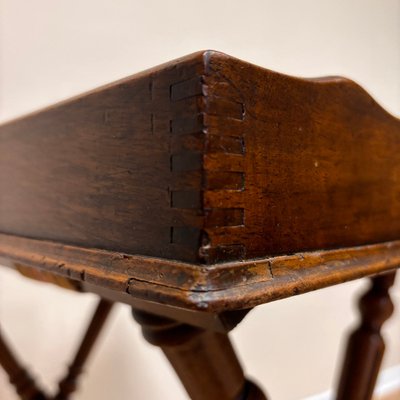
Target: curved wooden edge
(338, 81)
(247, 156)
(326, 113)
(207, 56)
(215, 288)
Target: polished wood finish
(320, 164)
(235, 161)
(217, 322)
(204, 361)
(92, 171)
(68, 384)
(366, 346)
(19, 377)
(211, 289)
(200, 189)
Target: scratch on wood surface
(271, 272)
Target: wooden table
(196, 191)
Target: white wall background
(50, 50)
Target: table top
(206, 183)
(213, 288)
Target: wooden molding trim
(213, 288)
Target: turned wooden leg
(69, 383)
(365, 347)
(204, 361)
(19, 377)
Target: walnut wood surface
(366, 346)
(97, 171)
(212, 289)
(199, 187)
(205, 361)
(205, 159)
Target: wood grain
(205, 159)
(210, 289)
(320, 166)
(100, 170)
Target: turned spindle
(19, 377)
(366, 346)
(205, 361)
(68, 384)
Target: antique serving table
(196, 191)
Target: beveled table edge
(213, 288)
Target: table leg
(68, 384)
(19, 376)
(205, 361)
(365, 347)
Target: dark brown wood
(19, 377)
(205, 186)
(42, 275)
(205, 159)
(366, 346)
(217, 322)
(204, 361)
(211, 289)
(319, 166)
(92, 171)
(68, 384)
